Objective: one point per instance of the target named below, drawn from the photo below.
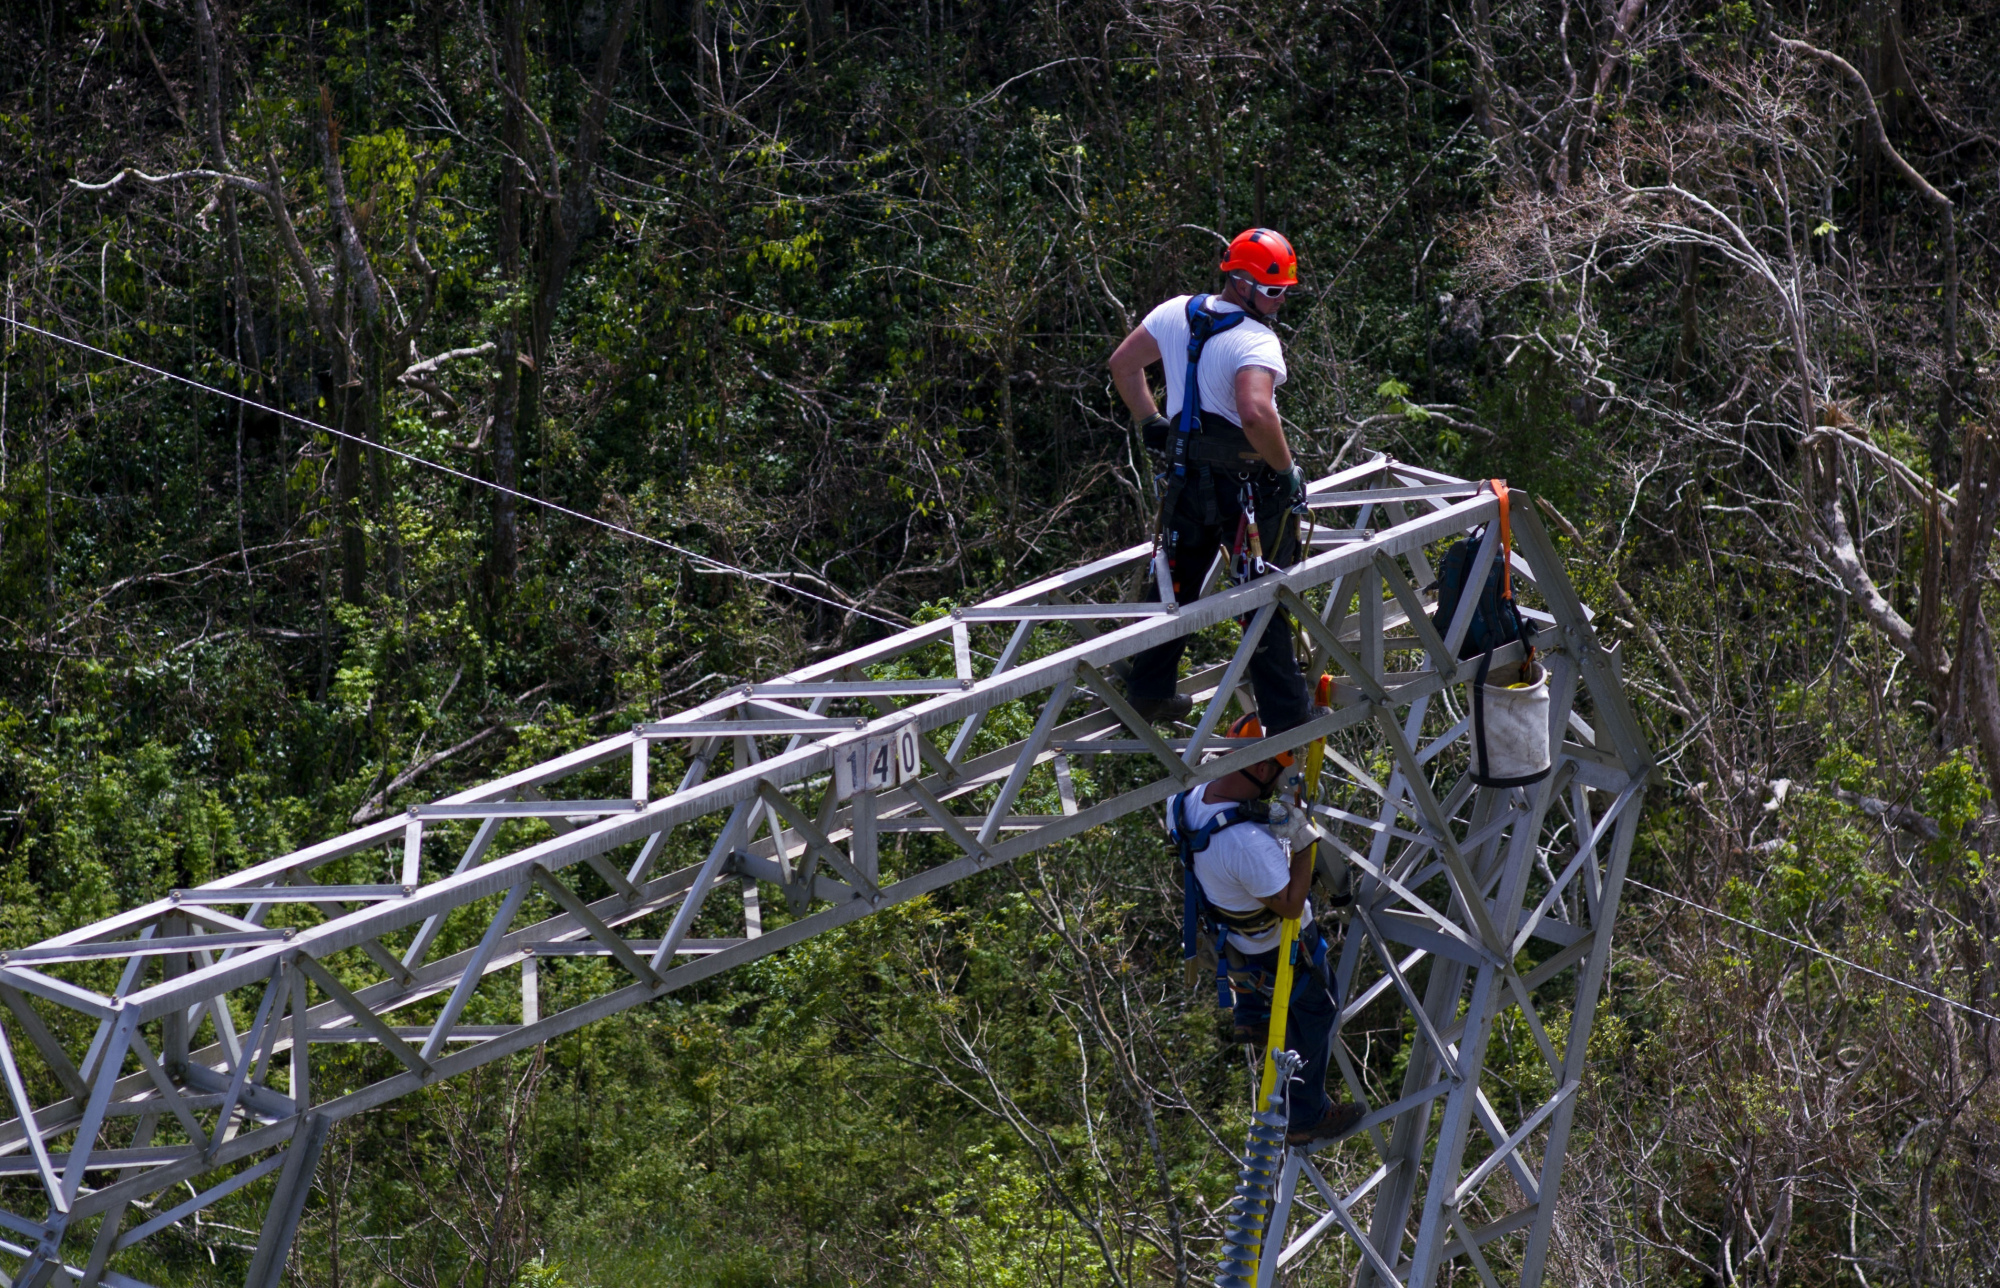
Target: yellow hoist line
(1288, 929)
(1248, 1227)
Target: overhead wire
(1821, 952)
(1390, 209)
(442, 468)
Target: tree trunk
(1010, 457)
(48, 479)
(383, 494)
(1883, 66)
(347, 492)
(507, 342)
(242, 332)
(574, 214)
(1684, 353)
(568, 218)
(1614, 51)
(1493, 124)
(1943, 443)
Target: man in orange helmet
(1226, 456)
(1247, 864)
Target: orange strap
(1506, 539)
(1507, 565)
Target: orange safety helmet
(1251, 727)
(1263, 256)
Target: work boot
(1230, 1033)
(1235, 1032)
(1337, 1121)
(1175, 706)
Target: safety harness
(1232, 974)
(1195, 906)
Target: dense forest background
(824, 291)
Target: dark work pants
(1204, 520)
(1308, 1024)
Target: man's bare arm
(1259, 410)
(1134, 354)
(1291, 901)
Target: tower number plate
(882, 758)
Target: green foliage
(839, 314)
(1954, 793)
(543, 1273)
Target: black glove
(1292, 484)
(1154, 429)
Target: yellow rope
(1288, 929)
(1281, 997)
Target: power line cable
(1853, 965)
(1390, 209)
(461, 474)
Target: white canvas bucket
(1510, 730)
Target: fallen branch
(1418, 413)
(234, 180)
(1920, 487)
(429, 365)
(1897, 816)
(148, 578)
(376, 806)
(431, 389)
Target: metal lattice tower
(183, 1032)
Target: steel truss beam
(198, 1074)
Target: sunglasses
(1269, 292)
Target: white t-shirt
(1241, 866)
(1247, 344)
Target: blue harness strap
(1203, 326)
(1192, 841)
